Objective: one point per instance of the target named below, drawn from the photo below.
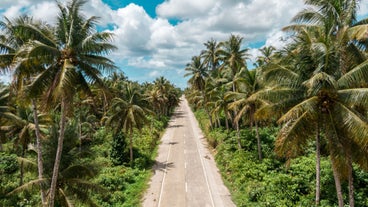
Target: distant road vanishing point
(185, 174)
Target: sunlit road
(185, 173)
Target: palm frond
(355, 78)
(309, 105)
(294, 135)
(30, 186)
(354, 97)
(353, 123)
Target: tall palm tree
(216, 90)
(233, 56)
(72, 187)
(73, 56)
(199, 74)
(266, 57)
(245, 102)
(4, 102)
(337, 20)
(127, 113)
(21, 128)
(16, 34)
(211, 56)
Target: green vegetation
(314, 89)
(70, 123)
(272, 182)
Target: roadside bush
(8, 163)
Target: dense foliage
(74, 131)
(272, 182)
(314, 89)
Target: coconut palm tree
(232, 56)
(266, 57)
(245, 102)
(73, 57)
(16, 34)
(72, 187)
(127, 113)
(4, 102)
(336, 20)
(216, 90)
(22, 129)
(198, 74)
(211, 56)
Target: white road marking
(186, 187)
(191, 116)
(163, 179)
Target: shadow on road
(179, 114)
(161, 166)
(175, 126)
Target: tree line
(315, 88)
(64, 83)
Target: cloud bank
(165, 43)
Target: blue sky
(148, 5)
(159, 37)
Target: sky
(158, 37)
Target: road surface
(185, 174)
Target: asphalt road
(185, 174)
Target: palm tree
(73, 56)
(198, 74)
(337, 21)
(333, 109)
(4, 102)
(20, 127)
(245, 102)
(211, 56)
(216, 90)
(128, 113)
(16, 34)
(71, 186)
(267, 53)
(232, 56)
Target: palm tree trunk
(337, 184)
(39, 150)
(131, 146)
(226, 120)
(209, 117)
(238, 135)
(218, 121)
(206, 109)
(22, 167)
(350, 178)
(79, 133)
(59, 151)
(318, 167)
(258, 142)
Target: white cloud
(45, 11)
(154, 43)
(12, 11)
(132, 30)
(363, 8)
(184, 9)
(5, 78)
(154, 74)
